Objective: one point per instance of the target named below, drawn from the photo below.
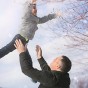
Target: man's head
(62, 64)
(34, 10)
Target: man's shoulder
(60, 74)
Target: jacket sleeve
(47, 18)
(29, 59)
(43, 64)
(40, 76)
(44, 19)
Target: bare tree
(74, 24)
(78, 29)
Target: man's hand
(38, 51)
(19, 46)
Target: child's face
(34, 11)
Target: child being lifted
(29, 27)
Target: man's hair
(66, 64)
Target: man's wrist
(39, 57)
(21, 52)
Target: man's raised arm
(42, 62)
(25, 58)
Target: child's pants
(10, 47)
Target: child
(28, 29)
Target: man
(29, 27)
(55, 76)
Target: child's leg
(10, 47)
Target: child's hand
(59, 13)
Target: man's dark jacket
(46, 77)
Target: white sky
(10, 20)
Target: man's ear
(58, 67)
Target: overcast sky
(11, 12)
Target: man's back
(61, 81)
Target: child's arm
(49, 17)
(44, 19)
